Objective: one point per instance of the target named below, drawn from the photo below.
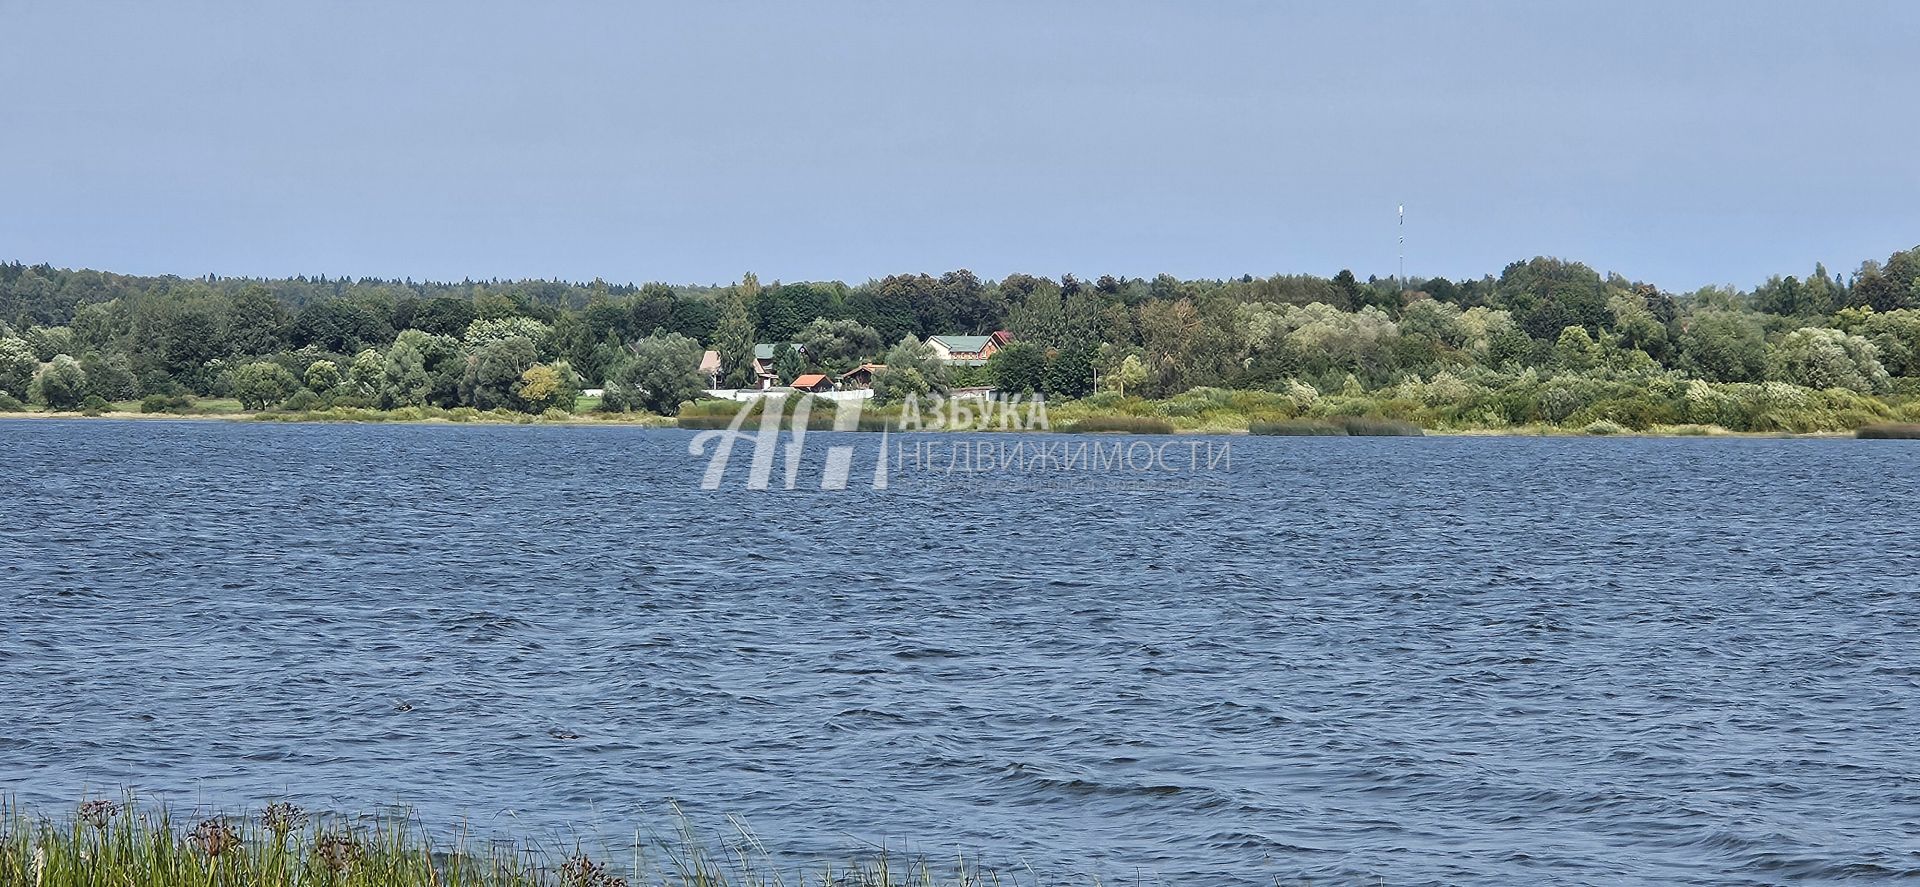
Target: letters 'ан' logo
(766, 440)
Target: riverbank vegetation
(1547, 345)
(1527, 406)
(1890, 432)
(115, 843)
(1344, 426)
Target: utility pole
(1403, 246)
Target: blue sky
(1686, 144)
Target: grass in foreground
(122, 843)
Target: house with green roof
(763, 363)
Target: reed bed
(1297, 428)
(1889, 432)
(710, 415)
(1121, 425)
(106, 843)
(1338, 426)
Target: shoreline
(651, 421)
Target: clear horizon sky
(1680, 143)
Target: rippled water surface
(1409, 661)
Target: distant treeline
(71, 334)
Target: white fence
(755, 393)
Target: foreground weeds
(122, 843)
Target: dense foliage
(1545, 341)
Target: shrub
(1301, 395)
(1184, 407)
(1349, 406)
(1704, 404)
(166, 403)
(1603, 427)
(1638, 414)
(11, 404)
(302, 401)
(710, 407)
(1515, 405)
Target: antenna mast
(1403, 246)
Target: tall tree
(734, 338)
(256, 322)
(261, 384)
(493, 375)
(787, 363)
(17, 365)
(660, 374)
(835, 346)
(60, 384)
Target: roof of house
(869, 367)
(764, 350)
(710, 362)
(809, 380)
(962, 343)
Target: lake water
(1400, 661)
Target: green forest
(1545, 343)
